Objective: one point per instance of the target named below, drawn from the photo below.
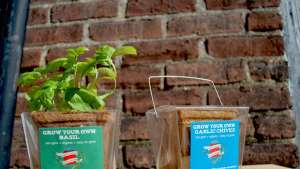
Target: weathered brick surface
(219, 72)
(225, 4)
(281, 154)
(139, 157)
(256, 97)
(234, 4)
(275, 127)
(54, 53)
(41, 1)
(250, 128)
(81, 10)
(21, 105)
(236, 43)
(34, 2)
(38, 16)
(206, 24)
(140, 102)
(222, 47)
(20, 157)
(164, 50)
(134, 128)
(31, 58)
(267, 70)
(52, 35)
(18, 150)
(131, 77)
(132, 29)
(264, 21)
(263, 3)
(145, 7)
(18, 134)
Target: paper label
(71, 148)
(215, 145)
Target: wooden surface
(263, 167)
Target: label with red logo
(71, 148)
(215, 145)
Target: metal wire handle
(184, 77)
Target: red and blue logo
(214, 151)
(70, 158)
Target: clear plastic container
(108, 120)
(163, 131)
(170, 129)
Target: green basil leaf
(73, 54)
(81, 50)
(125, 50)
(28, 78)
(78, 104)
(40, 69)
(56, 63)
(70, 92)
(107, 72)
(90, 98)
(92, 73)
(104, 52)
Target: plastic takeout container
(170, 131)
(108, 121)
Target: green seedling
(59, 86)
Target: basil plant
(60, 86)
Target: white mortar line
(122, 6)
(164, 22)
(201, 6)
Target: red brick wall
(236, 43)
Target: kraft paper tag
(215, 145)
(71, 147)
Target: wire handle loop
(184, 77)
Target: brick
(250, 140)
(31, 58)
(256, 97)
(264, 21)
(114, 102)
(139, 156)
(48, 1)
(19, 157)
(134, 128)
(54, 53)
(275, 127)
(225, 4)
(263, 3)
(140, 102)
(235, 4)
(206, 24)
(137, 76)
(146, 7)
(250, 128)
(281, 154)
(123, 30)
(21, 105)
(18, 135)
(53, 35)
(81, 11)
(235, 46)
(163, 50)
(38, 16)
(41, 1)
(219, 72)
(267, 70)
